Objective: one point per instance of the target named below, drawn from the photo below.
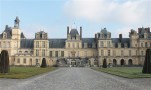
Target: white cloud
(31, 29)
(124, 31)
(115, 11)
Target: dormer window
(4, 35)
(41, 35)
(37, 36)
(105, 34)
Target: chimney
(96, 36)
(6, 26)
(67, 30)
(139, 30)
(147, 30)
(120, 37)
(81, 32)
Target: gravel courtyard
(75, 79)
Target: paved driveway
(75, 79)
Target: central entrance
(73, 63)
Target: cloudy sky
(53, 16)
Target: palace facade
(74, 50)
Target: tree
(147, 62)
(44, 64)
(4, 62)
(104, 63)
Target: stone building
(74, 50)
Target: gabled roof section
(57, 43)
(89, 41)
(27, 43)
(8, 31)
(74, 32)
(123, 41)
(22, 35)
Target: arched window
(18, 60)
(130, 62)
(122, 62)
(68, 45)
(114, 62)
(24, 60)
(26, 51)
(20, 51)
(30, 62)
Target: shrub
(147, 62)
(104, 63)
(43, 64)
(4, 62)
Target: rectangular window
(36, 61)
(68, 45)
(72, 45)
(69, 54)
(77, 45)
(136, 52)
(4, 44)
(37, 52)
(141, 44)
(85, 53)
(78, 54)
(56, 53)
(146, 44)
(114, 53)
(129, 52)
(37, 44)
(108, 44)
(18, 60)
(8, 44)
(102, 44)
(43, 52)
(102, 53)
(108, 52)
(43, 44)
(50, 53)
(122, 53)
(24, 60)
(142, 53)
(62, 53)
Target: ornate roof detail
(74, 32)
(16, 22)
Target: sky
(53, 16)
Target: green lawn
(127, 72)
(25, 72)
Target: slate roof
(54, 43)
(124, 40)
(22, 35)
(90, 41)
(57, 43)
(27, 43)
(60, 43)
(73, 32)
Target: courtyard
(75, 78)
